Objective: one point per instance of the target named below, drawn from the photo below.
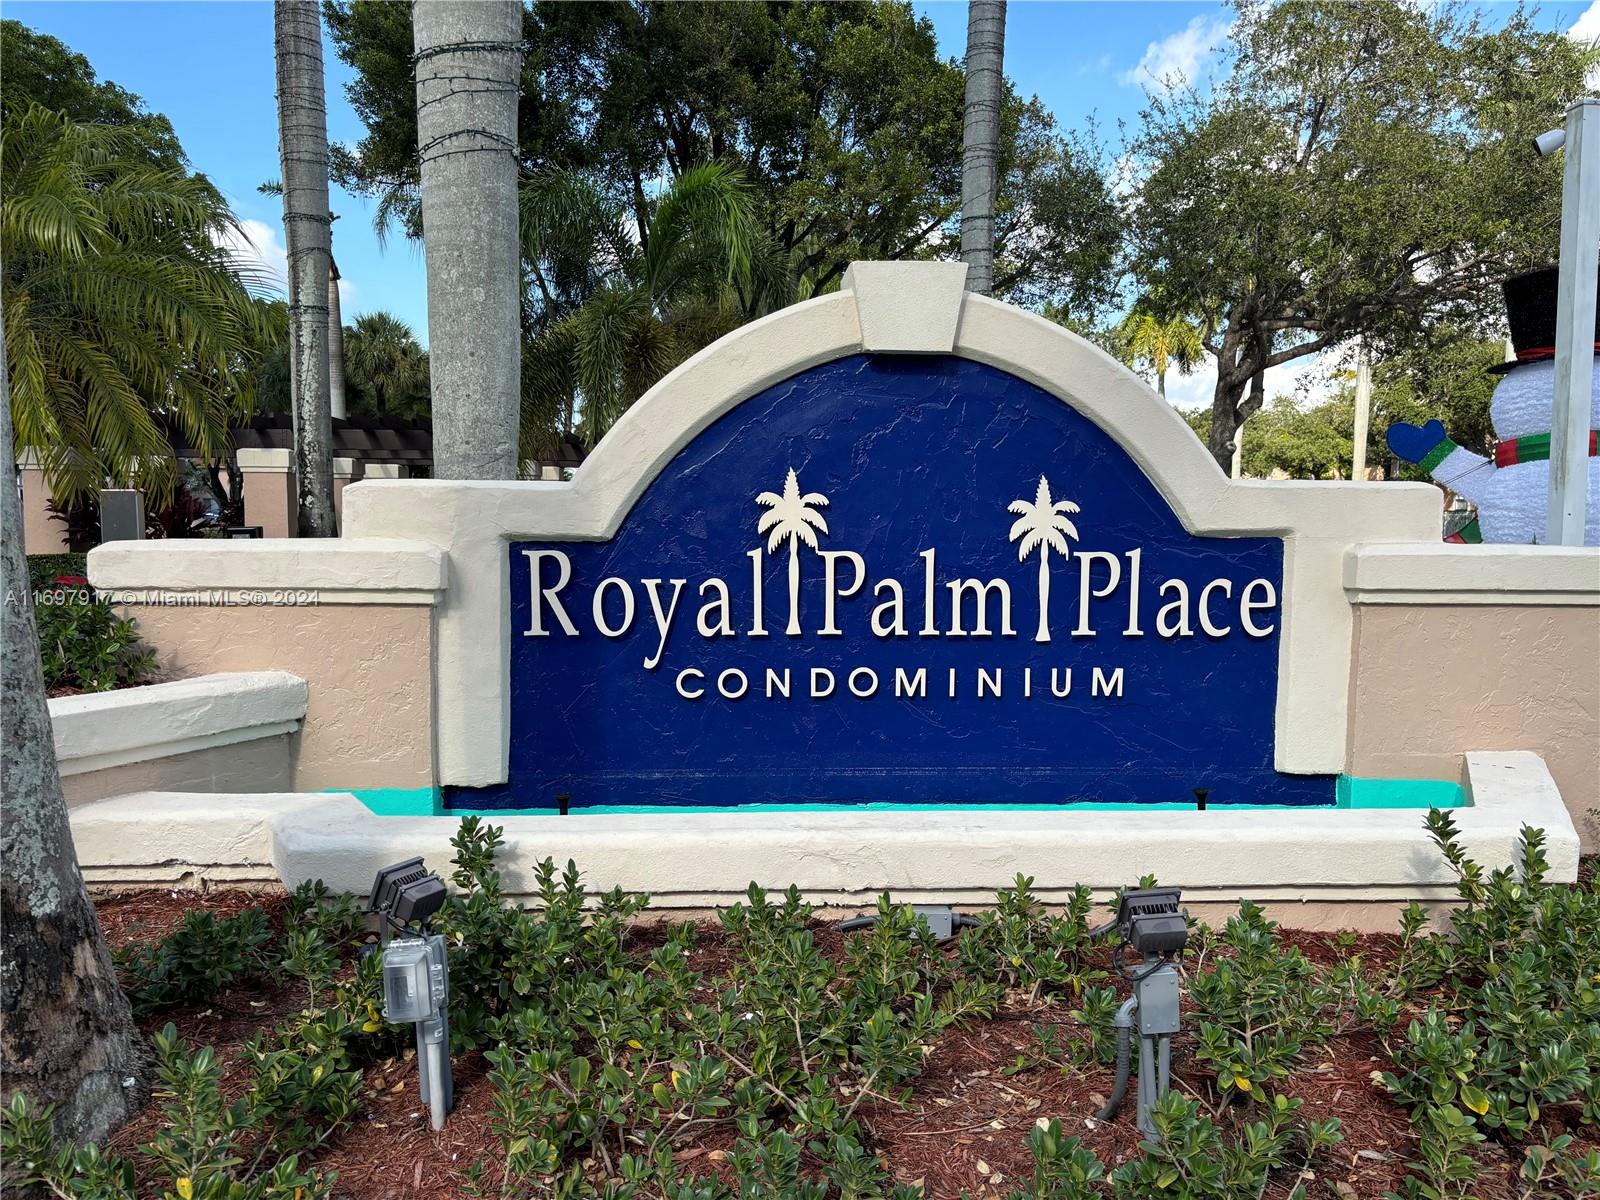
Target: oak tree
(1364, 168)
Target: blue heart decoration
(1413, 442)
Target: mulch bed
(964, 1130)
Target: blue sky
(208, 66)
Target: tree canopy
(842, 118)
(1363, 169)
(386, 370)
(38, 69)
(654, 301)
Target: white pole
(1358, 458)
(1575, 305)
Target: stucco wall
(368, 667)
(260, 765)
(40, 534)
(1432, 681)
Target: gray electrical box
(121, 515)
(1158, 1004)
(414, 979)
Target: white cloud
(1586, 29)
(1177, 59)
(259, 245)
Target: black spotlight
(1150, 921)
(406, 894)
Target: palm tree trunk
(67, 1036)
(1161, 383)
(980, 155)
(794, 587)
(468, 56)
(336, 404)
(1044, 595)
(303, 151)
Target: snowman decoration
(1512, 490)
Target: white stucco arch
(893, 308)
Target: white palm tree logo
(792, 516)
(1040, 526)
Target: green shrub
(605, 1057)
(46, 572)
(198, 1149)
(85, 645)
(199, 958)
(1021, 944)
(1524, 1030)
(1258, 1008)
(303, 1088)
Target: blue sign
(903, 580)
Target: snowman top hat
(1531, 308)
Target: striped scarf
(1534, 448)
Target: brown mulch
(963, 1131)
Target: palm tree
(1040, 526)
(387, 367)
(123, 311)
(980, 138)
(66, 1032)
(337, 407)
(1163, 342)
(792, 516)
(617, 312)
(303, 152)
(468, 71)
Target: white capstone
(287, 571)
(1453, 573)
(891, 325)
(110, 729)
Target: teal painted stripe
(398, 802)
(1350, 792)
(1356, 792)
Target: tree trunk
(794, 587)
(980, 152)
(1240, 390)
(1043, 634)
(336, 405)
(67, 1037)
(303, 153)
(1224, 418)
(469, 57)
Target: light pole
(1575, 313)
(1358, 456)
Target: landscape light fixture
(1150, 923)
(1551, 140)
(416, 974)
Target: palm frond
(122, 309)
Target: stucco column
(345, 471)
(269, 496)
(40, 534)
